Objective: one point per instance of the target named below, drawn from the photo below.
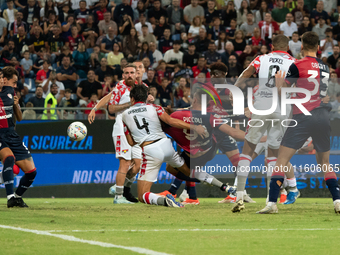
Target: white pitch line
(75, 239)
(194, 230)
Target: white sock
(153, 199)
(16, 195)
(10, 196)
(235, 182)
(291, 182)
(239, 195)
(243, 170)
(271, 203)
(336, 201)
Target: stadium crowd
(71, 52)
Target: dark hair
(130, 65)
(177, 42)
(328, 30)
(38, 86)
(280, 42)
(139, 93)
(241, 9)
(9, 71)
(94, 94)
(211, 42)
(68, 91)
(145, 25)
(310, 41)
(295, 33)
(47, 61)
(219, 66)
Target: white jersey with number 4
(143, 122)
(267, 66)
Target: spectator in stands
(215, 29)
(261, 13)
(48, 25)
(333, 59)
(234, 69)
(299, 12)
(49, 7)
(185, 101)
(92, 103)
(336, 29)
(145, 52)
(195, 27)
(30, 11)
(288, 27)
(54, 43)
(141, 9)
(202, 42)
(229, 50)
(82, 12)
(27, 65)
(125, 25)
(107, 22)
(318, 13)
(81, 58)
(95, 57)
(10, 13)
(3, 31)
(295, 45)
(239, 42)
(114, 57)
(229, 14)
(141, 23)
(175, 16)
(8, 52)
(99, 12)
(246, 54)
(242, 12)
(20, 40)
(156, 55)
(29, 114)
(320, 28)
(107, 43)
(211, 55)
(326, 45)
(161, 72)
(67, 26)
(305, 26)
(118, 71)
(256, 40)
(67, 101)
(108, 85)
(150, 80)
(231, 30)
(146, 36)
(156, 12)
(74, 39)
(165, 43)
(153, 91)
(90, 32)
(333, 86)
(88, 87)
(201, 67)
(103, 70)
(335, 113)
(159, 28)
(131, 44)
(44, 73)
(173, 56)
(279, 13)
(67, 74)
(211, 12)
(36, 43)
(193, 10)
(36, 23)
(17, 23)
(249, 26)
(268, 27)
(46, 84)
(37, 100)
(50, 104)
(165, 93)
(221, 42)
(190, 58)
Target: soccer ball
(77, 131)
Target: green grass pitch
(309, 226)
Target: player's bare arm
(247, 73)
(16, 109)
(100, 104)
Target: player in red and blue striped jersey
(311, 74)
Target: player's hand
(91, 116)
(16, 100)
(325, 100)
(263, 139)
(280, 75)
(150, 99)
(201, 131)
(247, 112)
(168, 109)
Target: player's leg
(7, 158)
(188, 195)
(292, 192)
(28, 167)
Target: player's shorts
(261, 124)
(9, 138)
(260, 148)
(192, 163)
(136, 151)
(124, 150)
(316, 125)
(225, 143)
(154, 155)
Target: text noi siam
(238, 105)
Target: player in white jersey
(144, 128)
(266, 66)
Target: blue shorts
(9, 138)
(316, 126)
(225, 142)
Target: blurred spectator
(211, 55)
(67, 74)
(96, 57)
(305, 26)
(195, 27)
(145, 52)
(131, 44)
(81, 58)
(247, 52)
(165, 93)
(74, 39)
(201, 67)
(37, 100)
(210, 13)
(231, 30)
(50, 104)
(93, 102)
(44, 73)
(88, 87)
(229, 14)
(125, 25)
(82, 12)
(108, 41)
(161, 72)
(173, 56)
(13, 29)
(295, 44)
(239, 42)
(256, 40)
(337, 70)
(299, 12)
(319, 12)
(31, 10)
(288, 27)
(243, 12)
(156, 55)
(279, 13)
(36, 23)
(27, 65)
(67, 101)
(51, 21)
(330, 7)
(146, 62)
(54, 43)
(108, 85)
(20, 40)
(190, 58)
(165, 43)
(333, 59)
(21, 78)
(49, 7)
(221, 42)
(150, 81)
(114, 57)
(146, 36)
(155, 12)
(106, 23)
(153, 91)
(261, 13)
(336, 29)
(3, 32)
(67, 25)
(101, 9)
(8, 52)
(175, 15)
(290, 4)
(37, 41)
(191, 11)
(320, 28)
(10, 13)
(335, 113)
(140, 10)
(65, 52)
(333, 86)
(185, 101)
(46, 84)
(29, 114)
(202, 41)
(249, 26)
(216, 29)
(160, 27)
(234, 69)
(103, 70)
(229, 50)
(90, 32)
(326, 45)
(268, 27)
(141, 23)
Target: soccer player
(144, 129)
(311, 74)
(12, 150)
(266, 66)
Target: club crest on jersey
(125, 151)
(10, 96)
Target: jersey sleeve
(256, 63)
(159, 109)
(116, 96)
(292, 74)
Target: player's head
(140, 69)
(218, 70)
(280, 42)
(197, 98)
(129, 72)
(10, 76)
(310, 42)
(138, 94)
(54, 89)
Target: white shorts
(154, 155)
(124, 150)
(261, 124)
